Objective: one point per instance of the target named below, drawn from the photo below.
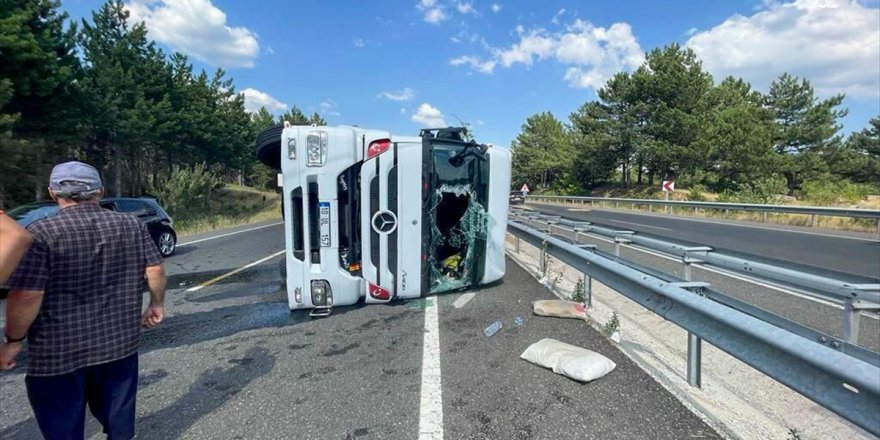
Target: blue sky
(402, 65)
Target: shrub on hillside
(188, 190)
(828, 192)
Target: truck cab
(376, 216)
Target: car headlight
(321, 293)
(316, 148)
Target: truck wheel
(268, 145)
(282, 267)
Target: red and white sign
(525, 188)
(668, 185)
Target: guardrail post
(696, 211)
(618, 240)
(588, 280)
(813, 220)
(726, 213)
(764, 216)
(516, 243)
(695, 344)
(851, 318)
(695, 354)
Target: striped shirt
(90, 263)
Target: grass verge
(233, 205)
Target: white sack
(559, 309)
(569, 360)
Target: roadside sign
(525, 188)
(280, 180)
(668, 185)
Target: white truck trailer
(375, 216)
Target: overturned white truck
(377, 216)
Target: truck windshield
(455, 220)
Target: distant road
(853, 257)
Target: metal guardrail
(812, 211)
(845, 384)
(854, 297)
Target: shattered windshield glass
(458, 220)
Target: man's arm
(14, 242)
(156, 281)
(22, 307)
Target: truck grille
(374, 207)
(392, 206)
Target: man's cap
(74, 178)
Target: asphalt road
(232, 362)
(819, 315)
(852, 257)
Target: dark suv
(145, 209)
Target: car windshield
(27, 214)
(457, 218)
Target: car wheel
(166, 242)
(282, 267)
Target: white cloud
(475, 63)
(833, 43)
(197, 28)
(434, 13)
(358, 43)
(466, 8)
(270, 50)
(480, 122)
(254, 99)
(403, 110)
(496, 8)
(691, 31)
(435, 16)
(555, 19)
(592, 54)
(329, 107)
(406, 94)
(429, 116)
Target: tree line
(669, 120)
(101, 91)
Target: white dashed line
(463, 300)
(228, 234)
(431, 409)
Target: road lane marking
(463, 300)
(228, 234)
(431, 407)
(229, 274)
(640, 224)
(736, 276)
(718, 222)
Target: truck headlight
(316, 148)
(321, 293)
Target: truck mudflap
(459, 226)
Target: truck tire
(268, 145)
(282, 267)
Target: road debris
(575, 362)
(560, 309)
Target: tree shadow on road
(209, 392)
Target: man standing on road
(76, 297)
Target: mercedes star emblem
(384, 222)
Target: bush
(764, 191)
(827, 192)
(187, 191)
(696, 193)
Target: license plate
(324, 210)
